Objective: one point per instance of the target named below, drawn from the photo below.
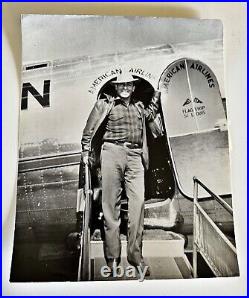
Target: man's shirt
(118, 131)
(125, 123)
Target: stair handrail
(84, 266)
(224, 204)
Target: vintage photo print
(123, 169)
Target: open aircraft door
(196, 128)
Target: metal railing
(213, 245)
(84, 206)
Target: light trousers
(122, 167)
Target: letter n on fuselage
(42, 99)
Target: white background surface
(233, 16)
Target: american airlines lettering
(171, 72)
(205, 72)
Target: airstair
(209, 241)
(163, 252)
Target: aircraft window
(36, 66)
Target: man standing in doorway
(124, 158)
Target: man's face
(125, 90)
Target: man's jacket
(94, 130)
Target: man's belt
(125, 144)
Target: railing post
(195, 228)
(84, 267)
(202, 222)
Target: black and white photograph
(124, 154)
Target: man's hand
(152, 109)
(156, 97)
(85, 157)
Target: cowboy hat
(124, 78)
